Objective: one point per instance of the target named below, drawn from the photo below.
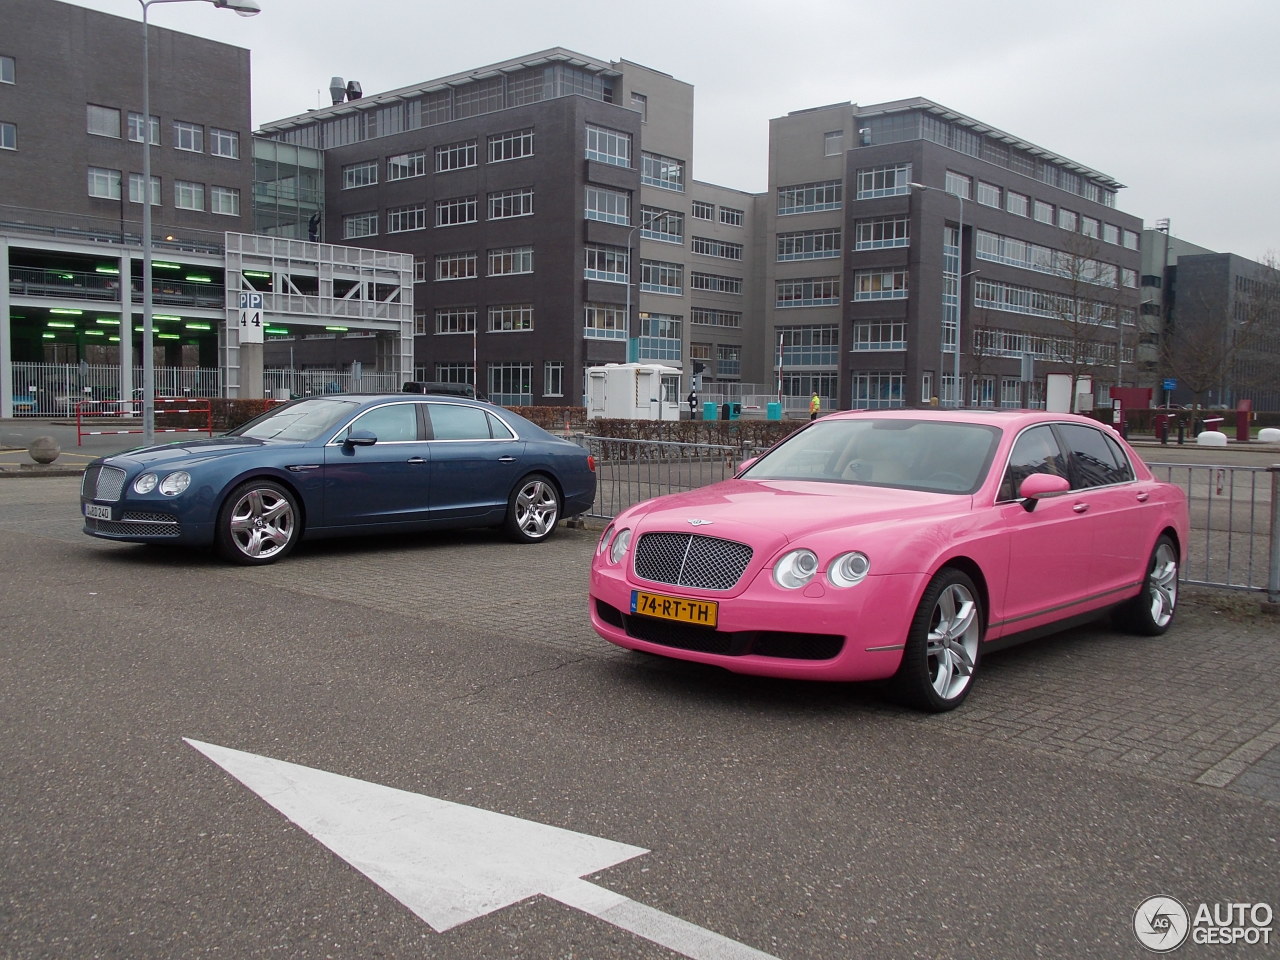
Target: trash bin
(773, 411)
(708, 410)
(735, 411)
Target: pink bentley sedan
(897, 545)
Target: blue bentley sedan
(342, 465)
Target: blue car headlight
(145, 483)
(175, 483)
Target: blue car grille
(686, 560)
(134, 524)
(102, 483)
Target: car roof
(1008, 419)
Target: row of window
(1012, 298)
(731, 216)
(191, 137)
(502, 262)
(502, 318)
(1059, 263)
(187, 195)
(509, 145)
(510, 384)
(502, 205)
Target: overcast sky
(1174, 98)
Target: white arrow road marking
(450, 863)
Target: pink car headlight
(795, 569)
(848, 569)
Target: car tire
(258, 524)
(944, 644)
(533, 510)
(1151, 611)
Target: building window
(888, 181)
(103, 121)
(506, 261)
(224, 143)
(104, 183)
(8, 70)
(553, 378)
(809, 245)
(135, 128)
(659, 338)
(188, 136)
(1131, 240)
(419, 269)
(1129, 278)
(721, 249)
(511, 203)
(988, 194)
(833, 143)
(728, 360)
(224, 200)
(608, 146)
(356, 225)
(657, 276)
(816, 346)
(1068, 219)
(1110, 233)
(135, 189)
(876, 336)
(703, 210)
(878, 389)
(714, 283)
(450, 213)
(455, 320)
(1044, 211)
(511, 384)
(1017, 203)
(716, 318)
(640, 104)
(610, 264)
(731, 216)
(510, 317)
(809, 292)
(456, 156)
(604, 321)
(362, 174)
(454, 373)
(511, 145)
(8, 136)
(958, 184)
(660, 171)
(611, 206)
(880, 285)
(404, 219)
(883, 232)
(404, 166)
(188, 195)
(810, 197)
(457, 266)
(419, 323)
(665, 226)
(1089, 227)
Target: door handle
(1143, 497)
(1080, 507)
(507, 459)
(415, 460)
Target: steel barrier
(1235, 511)
(132, 410)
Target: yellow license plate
(702, 613)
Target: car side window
(454, 421)
(395, 422)
(1096, 459)
(1035, 451)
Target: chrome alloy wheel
(952, 642)
(535, 509)
(261, 523)
(1162, 584)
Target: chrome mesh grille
(103, 483)
(136, 525)
(686, 560)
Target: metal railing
(1235, 510)
(53, 389)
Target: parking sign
(250, 319)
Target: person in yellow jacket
(815, 407)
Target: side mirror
(360, 438)
(1040, 485)
(744, 465)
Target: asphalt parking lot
(1087, 772)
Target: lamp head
(244, 8)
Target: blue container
(708, 410)
(773, 411)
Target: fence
(53, 389)
(1235, 511)
(284, 384)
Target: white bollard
(1211, 438)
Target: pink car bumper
(817, 633)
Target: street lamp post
(665, 214)
(245, 8)
(960, 275)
